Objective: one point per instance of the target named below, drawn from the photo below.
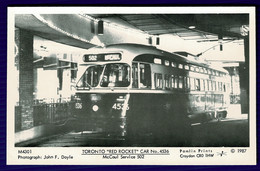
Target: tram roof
(139, 49)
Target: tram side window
(202, 85)
(167, 82)
(174, 64)
(187, 83)
(205, 70)
(145, 75)
(180, 66)
(197, 84)
(210, 85)
(201, 69)
(174, 81)
(214, 85)
(180, 82)
(158, 82)
(192, 84)
(135, 75)
(206, 85)
(220, 86)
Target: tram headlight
(95, 97)
(95, 108)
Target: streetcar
(132, 90)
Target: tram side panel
(159, 115)
(139, 118)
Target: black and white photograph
(131, 85)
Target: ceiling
(206, 27)
(31, 23)
(200, 27)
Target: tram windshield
(90, 77)
(108, 75)
(116, 75)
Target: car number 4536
(119, 106)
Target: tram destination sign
(102, 57)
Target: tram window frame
(219, 86)
(206, 85)
(192, 84)
(201, 70)
(144, 77)
(202, 85)
(135, 75)
(214, 88)
(167, 84)
(186, 67)
(90, 77)
(186, 83)
(210, 85)
(205, 70)
(116, 75)
(180, 66)
(197, 84)
(157, 61)
(180, 82)
(174, 82)
(158, 76)
(173, 64)
(166, 62)
(224, 87)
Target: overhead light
(192, 27)
(221, 47)
(92, 26)
(220, 40)
(100, 27)
(157, 40)
(150, 40)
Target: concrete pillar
(244, 79)
(24, 41)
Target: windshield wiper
(101, 76)
(90, 87)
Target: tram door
(141, 74)
(141, 100)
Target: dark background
(3, 73)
